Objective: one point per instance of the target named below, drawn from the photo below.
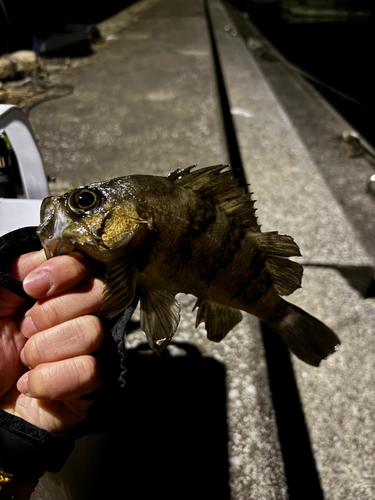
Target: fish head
(95, 219)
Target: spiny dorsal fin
(218, 319)
(218, 183)
(286, 274)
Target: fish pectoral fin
(160, 316)
(121, 283)
(218, 319)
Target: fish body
(194, 231)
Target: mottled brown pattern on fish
(194, 231)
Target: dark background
(338, 55)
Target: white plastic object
(15, 124)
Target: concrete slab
(344, 165)
(146, 102)
(294, 198)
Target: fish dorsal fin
(218, 183)
(160, 316)
(232, 196)
(286, 274)
(218, 319)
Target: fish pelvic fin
(160, 316)
(218, 319)
(307, 337)
(229, 193)
(286, 274)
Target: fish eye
(83, 201)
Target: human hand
(46, 351)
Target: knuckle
(92, 332)
(88, 332)
(32, 352)
(72, 267)
(47, 313)
(39, 383)
(87, 372)
(96, 287)
(65, 379)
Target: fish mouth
(56, 246)
(54, 222)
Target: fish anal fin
(160, 316)
(286, 274)
(218, 319)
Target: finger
(79, 336)
(57, 275)
(25, 264)
(66, 379)
(19, 268)
(46, 313)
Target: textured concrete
(294, 198)
(345, 166)
(145, 103)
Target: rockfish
(194, 231)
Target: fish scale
(194, 231)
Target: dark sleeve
(27, 452)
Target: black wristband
(28, 452)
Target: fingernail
(23, 383)
(37, 284)
(27, 327)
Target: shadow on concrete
(168, 436)
(361, 278)
(301, 474)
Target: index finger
(57, 275)
(24, 264)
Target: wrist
(27, 452)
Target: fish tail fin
(307, 337)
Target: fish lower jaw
(56, 246)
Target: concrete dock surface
(236, 419)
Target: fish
(194, 231)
